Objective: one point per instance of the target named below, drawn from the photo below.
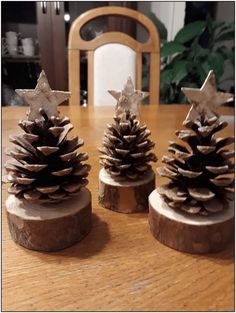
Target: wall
(171, 13)
(225, 11)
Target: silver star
(206, 99)
(128, 98)
(42, 97)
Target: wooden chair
(77, 44)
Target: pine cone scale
(25, 180)
(32, 195)
(64, 172)
(47, 150)
(47, 190)
(222, 181)
(217, 170)
(171, 194)
(17, 155)
(64, 133)
(125, 147)
(122, 151)
(16, 189)
(82, 157)
(138, 155)
(227, 154)
(68, 156)
(187, 173)
(167, 172)
(27, 126)
(202, 171)
(30, 137)
(23, 143)
(124, 166)
(56, 130)
(73, 187)
(71, 145)
(222, 142)
(130, 138)
(201, 194)
(81, 170)
(35, 168)
(57, 195)
(206, 149)
(45, 162)
(213, 205)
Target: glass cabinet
(35, 36)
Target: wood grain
(50, 227)
(119, 265)
(190, 233)
(125, 196)
(74, 77)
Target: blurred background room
(195, 37)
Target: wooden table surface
(119, 265)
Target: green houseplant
(189, 57)
(196, 48)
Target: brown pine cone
(125, 148)
(45, 165)
(201, 172)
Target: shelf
(20, 58)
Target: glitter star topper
(206, 99)
(42, 97)
(128, 98)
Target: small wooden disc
(125, 196)
(190, 233)
(49, 227)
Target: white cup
(28, 46)
(11, 38)
(12, 49)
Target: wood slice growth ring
(125, 196)
(49, 227)
(192, 234)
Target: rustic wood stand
(125, 196)
(49, 227)
(190, 233)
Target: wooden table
(119, 265)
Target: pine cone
(125, 148)
(201, 175)
(44, 164)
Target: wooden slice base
(190, 233)
(125, 196)
(49, 227)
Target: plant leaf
(216, 62)
(202, 52)
(222, 25)
(145, 83)
(203, 70)
(182, 98)
(225, 36)
(159, 25)
(190, 31)
(217, 24)
(166, 77)
(171, 47)
(179, 71)
(145, 69)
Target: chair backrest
(109, 49)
